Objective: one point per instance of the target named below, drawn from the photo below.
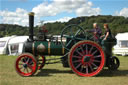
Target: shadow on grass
(109, 73)
(104, 73)
(50, 72)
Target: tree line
(117, 24)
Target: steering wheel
(73, 33)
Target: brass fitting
(31, 13)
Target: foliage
(116, 23)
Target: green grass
(56, 74)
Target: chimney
(31, 23)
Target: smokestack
(31, 23)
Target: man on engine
(96, 31)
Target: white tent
(121, 48)
(4, 44)
(12, 45)
(15, 45)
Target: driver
(96, 31)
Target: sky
(16, 11)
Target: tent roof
(18, 39)
(122, 36)
(6, 38)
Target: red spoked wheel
(41, 62)
(26, 64)
(86, 58)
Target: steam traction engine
(78, 48)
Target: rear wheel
(86, 58)
(26, 64)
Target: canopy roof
(6, 38)
(14, 39)
(122, 36)
(18, 39)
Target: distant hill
(116, 23)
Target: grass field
(56, 74)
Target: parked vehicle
(121, 48)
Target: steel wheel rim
(31, 65)
(90, 69)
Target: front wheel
(86, 58)
(26, 64)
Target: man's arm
(90, 30)
(99, 32)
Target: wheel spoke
(94, 65)
(91, 68)
(90, 50)
(94, 52)
(30, 62)
(27, 60)
(87, 69)
(82, 50)
(74, 41)
(30, 67)
(68, 43)
(24, 70)
(78, 38)
(71, 31)
(27, 70)
(78, 65)
(77, 32)
(97, 56)
(66, 36)
(79, 53)
(22, 60)
(77, 57)
(66, 54)
(86, 49)
(92, 37)
(76, 61)
(97, 61)
(21, 67)
(20, 64)
(81, 69)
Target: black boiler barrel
(31, 23)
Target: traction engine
(77, 48)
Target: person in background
(44, 29)
(42, 33)
(107, 33)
